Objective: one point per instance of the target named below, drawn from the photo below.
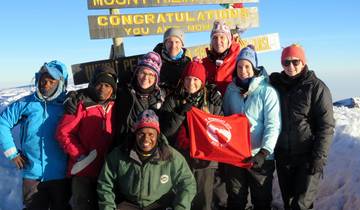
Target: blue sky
(33, 32)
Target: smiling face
(244, 69)
(219, 43)
(292, 66)
(146, 77)
(146, 138)
(192, 84)
(173, 46)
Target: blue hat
(248, 53)
(56, 69)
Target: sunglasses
(288, 62)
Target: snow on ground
(340, 188)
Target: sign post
(117, 49)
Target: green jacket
(124, 174)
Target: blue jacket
(261, 106)
(38, 118)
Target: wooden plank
(263, 43)
(107, 4)
(83, 72)
(109, 26)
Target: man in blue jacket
(41, 159)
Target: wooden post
(117, 49)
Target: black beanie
(106, 78)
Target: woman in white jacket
(251, 94)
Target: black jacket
(170, 70)
(129, 105)
(307, 116)
(171, 120)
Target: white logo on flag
(219, 131)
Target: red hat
(293, 50)
(147, 119)
(195, 69)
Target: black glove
(258, 159)
(214, 95)
(71, 102)
(316, 166)
(184, 108)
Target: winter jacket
(90, 128)
(126, 176)
(307, 113)
(261, 106)
(38, 119)
(221, 75)
(174, 125)
(171, 70)
(129, 105)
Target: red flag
(237, 5)
(219, 138)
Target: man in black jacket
(307, 129)
(174, 60)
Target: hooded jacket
(90, 128)
(307, 113)
(261, 106)
(38, 118)
(125, 175)
(222, 74)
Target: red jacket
(223, 74)
(90, 128)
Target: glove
(258, 159)
(316, 166)
(71, 102)
(215, 96)
(184, 108)
(19, 161)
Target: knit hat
(293, 50)
(174, 32)
(147, 119)
(248, 53)
(221, 27)
(105, 74)
(195, 69)
(153, 61)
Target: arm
(184, 183)
(170, 120)
(323, 122)
(8, 119)
(66, 133)
(272, 120)
(106, 182)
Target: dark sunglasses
(294, 62)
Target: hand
(316, 166)
(184, 108)
(71, 102)
(19, 161)
(258, 159)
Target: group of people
(126, 146)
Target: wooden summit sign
(109, 26)
(263, 43)
(124, 66)
(108, 4)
